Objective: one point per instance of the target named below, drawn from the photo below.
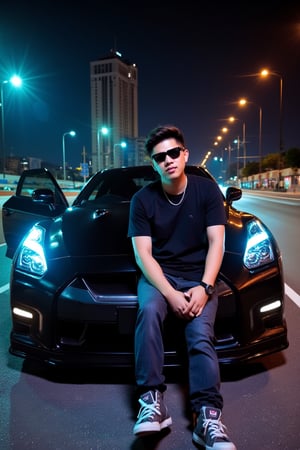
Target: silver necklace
(182, 198)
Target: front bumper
(90, 322)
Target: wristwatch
(209, 289)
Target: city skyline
(191, 71)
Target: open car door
(38, 196)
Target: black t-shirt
(179, 240)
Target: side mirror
(43, 196)
(233, 194)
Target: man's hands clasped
(188, 305)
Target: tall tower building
(114, 111)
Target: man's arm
(214, 258)
(142, 246)
(197, 295)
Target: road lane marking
(4, 288)
(292, 295)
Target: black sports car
(73, 280)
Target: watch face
(210, 289)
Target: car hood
(85, 230)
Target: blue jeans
(204, 373)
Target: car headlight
(259, 249)
(31, 257)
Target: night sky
(192, 60)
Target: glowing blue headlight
(259, 249)
(31, 258)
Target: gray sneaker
(210, 431)
(153, 415)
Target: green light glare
(16, 81)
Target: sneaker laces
(215, 428)
(147, 411)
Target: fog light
(270, 306)
(22, 313)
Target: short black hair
(161, 133)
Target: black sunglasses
(173, 153)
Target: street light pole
(264, 73)
(103, 131)
(233, 119)
(71, 133)
(16, 81)
(2, 128)
(260, 140)
(98, 151)
(238, 159)
(117, 162)
(244, 145)
(243, 102)
(281, 119)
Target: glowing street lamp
(206, 157)
(16, 82)
(122, 144)
(103, 131)
(71, 133)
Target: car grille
(110, 326)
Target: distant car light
(31, 258)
